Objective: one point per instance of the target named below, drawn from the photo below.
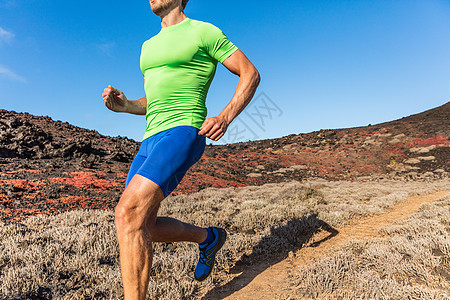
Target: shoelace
(205, 257)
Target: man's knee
(127, 218)
(133, 211)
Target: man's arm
(137, 107)
(115, 100)
(215, 127)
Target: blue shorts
(165, 157)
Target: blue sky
(323, 64)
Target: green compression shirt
(179, 64)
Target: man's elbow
(254, 75)
(257, 77)
(249, 73)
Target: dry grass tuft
(75, 255)
(410, 261)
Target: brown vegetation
(74, 255)
(410, 261)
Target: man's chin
(163, 7)
(157, 11)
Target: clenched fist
(114, 99)
(214, 128)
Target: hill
(51, 166)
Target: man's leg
(137, 225)
(168, 230)
(139, 199)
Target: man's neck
(175, 16)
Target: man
(178, 65)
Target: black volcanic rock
(26, 136)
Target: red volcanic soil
(48, 167)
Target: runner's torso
(178, 65)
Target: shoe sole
(219, 244)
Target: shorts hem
(149, 177)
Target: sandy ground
(265, 281)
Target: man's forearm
(248, 82)
(137, 107)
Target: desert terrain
(333, 214)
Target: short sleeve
(216, 43)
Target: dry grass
(410, 261)
(75, 255)
(345, 201)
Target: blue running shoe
(208, 253)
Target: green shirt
(179, 64)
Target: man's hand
(214, 128)
(114, 99)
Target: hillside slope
(51, 166)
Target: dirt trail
(271, 282)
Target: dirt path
(270, 282)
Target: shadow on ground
(290, 236)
